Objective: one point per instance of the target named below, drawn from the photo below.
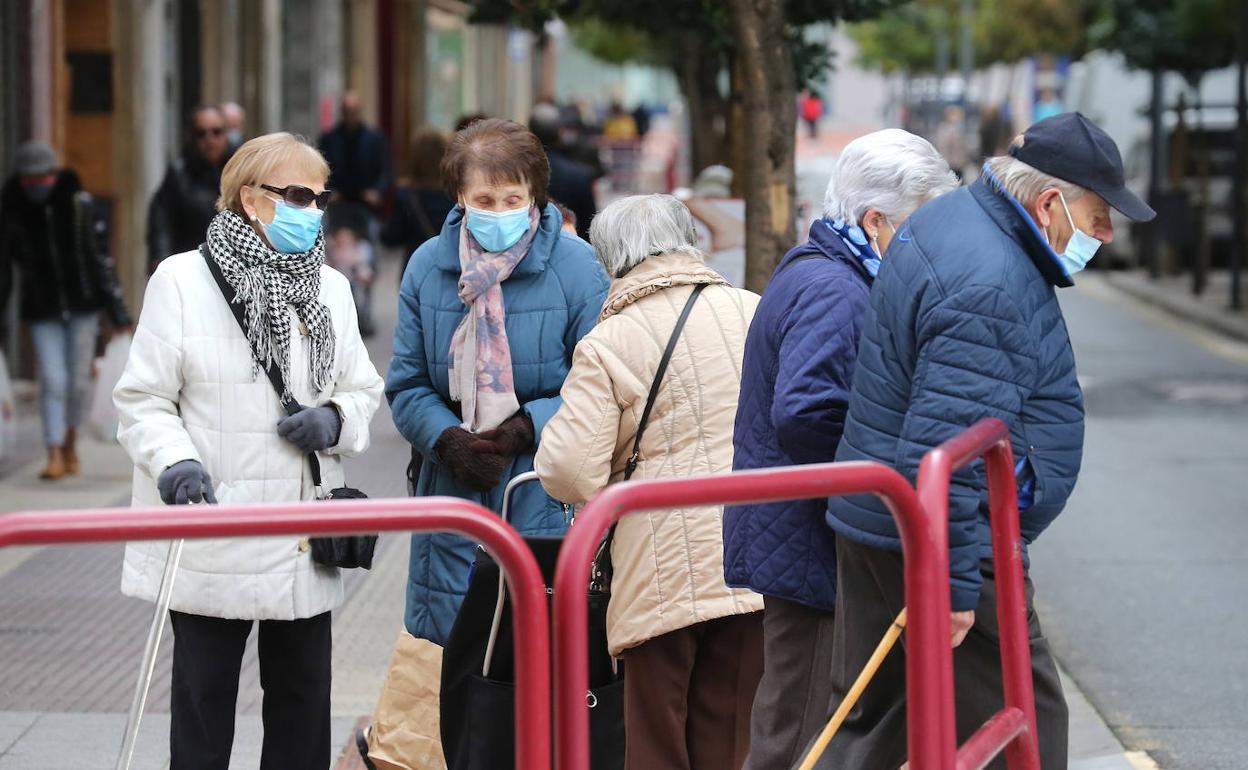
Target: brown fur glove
(511, 438)
(479, 472)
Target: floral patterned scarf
(480, 362)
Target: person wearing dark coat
(799, 362)
(571, 183)
(964, 323)
(421, 206)
(49, 234)
(186, 201)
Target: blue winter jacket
(964, 324)
(799, 363)
(552, 299)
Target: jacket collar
(655, 274)
(1005, 210)
(549, 229)
(824, 240)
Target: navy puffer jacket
(964, 324)
(799, 363)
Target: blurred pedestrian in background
(799, 363)
(692, 646)
(202, 422)
(963, 324)
(810, 106)
(422, 205)
(360, 176)
(951, 139)
(994, 131)
(489, 314)
(618, 125)
(186, 201)
(49, 235)
(235, 123)
(571, 183)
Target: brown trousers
(688, 694)
(791, 706)
(870, 592)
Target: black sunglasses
(200, 133)
(300, 196)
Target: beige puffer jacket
(669, 565)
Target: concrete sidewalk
(1173, 294)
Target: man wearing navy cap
(964, 324)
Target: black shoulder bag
(600, 576)
(347, 552)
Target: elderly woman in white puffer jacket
(202, 422)
(692, 646)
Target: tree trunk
(770, 134)
(697, 74)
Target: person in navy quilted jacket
(799, 361)
(964, 324)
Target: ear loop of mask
(1069, 219)
(875, 239)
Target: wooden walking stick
(868, 672)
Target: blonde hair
(257, 159)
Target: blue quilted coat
(964, 324)
(552, 299)
(799, 363)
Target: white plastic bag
(8, 413)
(102, 418)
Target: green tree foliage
(904, 39)
(1186, 36)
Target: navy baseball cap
(1074, 149)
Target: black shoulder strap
(655, 386)
(273, 372)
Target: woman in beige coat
(692, 646)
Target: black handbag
(347, 551)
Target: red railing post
(923, 577)
(990, 439)
(341, 517)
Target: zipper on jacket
(57, 270)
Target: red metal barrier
(341, 517)
(1014, 727)
(927, 631)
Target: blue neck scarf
(856, 241)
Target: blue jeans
(63, 351)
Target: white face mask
(1079, 249)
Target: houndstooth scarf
(266, 281)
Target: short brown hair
(428, 150)
(256, 160)
(504, 151)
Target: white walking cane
(149, 655)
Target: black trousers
(295, 675)
(791, 705)
(870, 593)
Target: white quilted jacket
(189, 393)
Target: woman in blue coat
(489, 314)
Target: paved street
(1142, 580)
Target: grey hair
(631, 229)
(1026, 182)
(892, 170)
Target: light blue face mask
(1081, 247)
(498, 231)
(293, 230)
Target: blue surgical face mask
(498, 231)
(1081, 247)
(293, 230)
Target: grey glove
(312, 429)
(184, 482)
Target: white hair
(892, 170)
(1026, 182)
(639, 226)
